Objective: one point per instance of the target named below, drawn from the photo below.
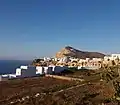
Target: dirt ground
(14, 89)
(51, 91)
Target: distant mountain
(72, 52)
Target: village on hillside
(61, 80)
(59, 64)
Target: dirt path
(65, 78)
(68, 88)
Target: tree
(112, 76)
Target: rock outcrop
(72, 52)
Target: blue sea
(9, 66)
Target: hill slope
(72, 52)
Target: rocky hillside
(72, 52)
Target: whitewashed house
(30, 72)
(65, 59)
(39, 70)
(108, 57)
(60, 61)
(79, 67)
(87, 59)
(82, 60)
(47, 59)
(115, 56)
(2, 78)
(18, 72)
(23, 67)
(5, 75)
(95, 59)
(48, 70)
(112, 57)
(55, 59)
(12, 76)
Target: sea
(9, 66)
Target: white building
(87, 59)
(64, 59)
(48, 70)
(44, 70)
(23, 67)
(30, 72)
(5, 75)
(97, 59)
(112, 57)
(106, 58)
(115, 56)
(56, 59)
(74, 59)
(18, 72)
(47, 59)
(12, 75)
(82, 60)
(79, 67)
(4, 78)
(39, 70)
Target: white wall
(48, 70)
(5, 75)
(79, 67)
(31, 71)
(39, 70)
(18, 72)
(23, 67)
(12, 75)
(114, 56)
(107, 57)
(87, 59)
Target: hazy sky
(36, 28)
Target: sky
(36, 28)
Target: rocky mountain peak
(70, 51)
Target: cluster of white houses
(61, 65)
(88, 63)
(112, 57)
(32, 71)
(94, 62)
